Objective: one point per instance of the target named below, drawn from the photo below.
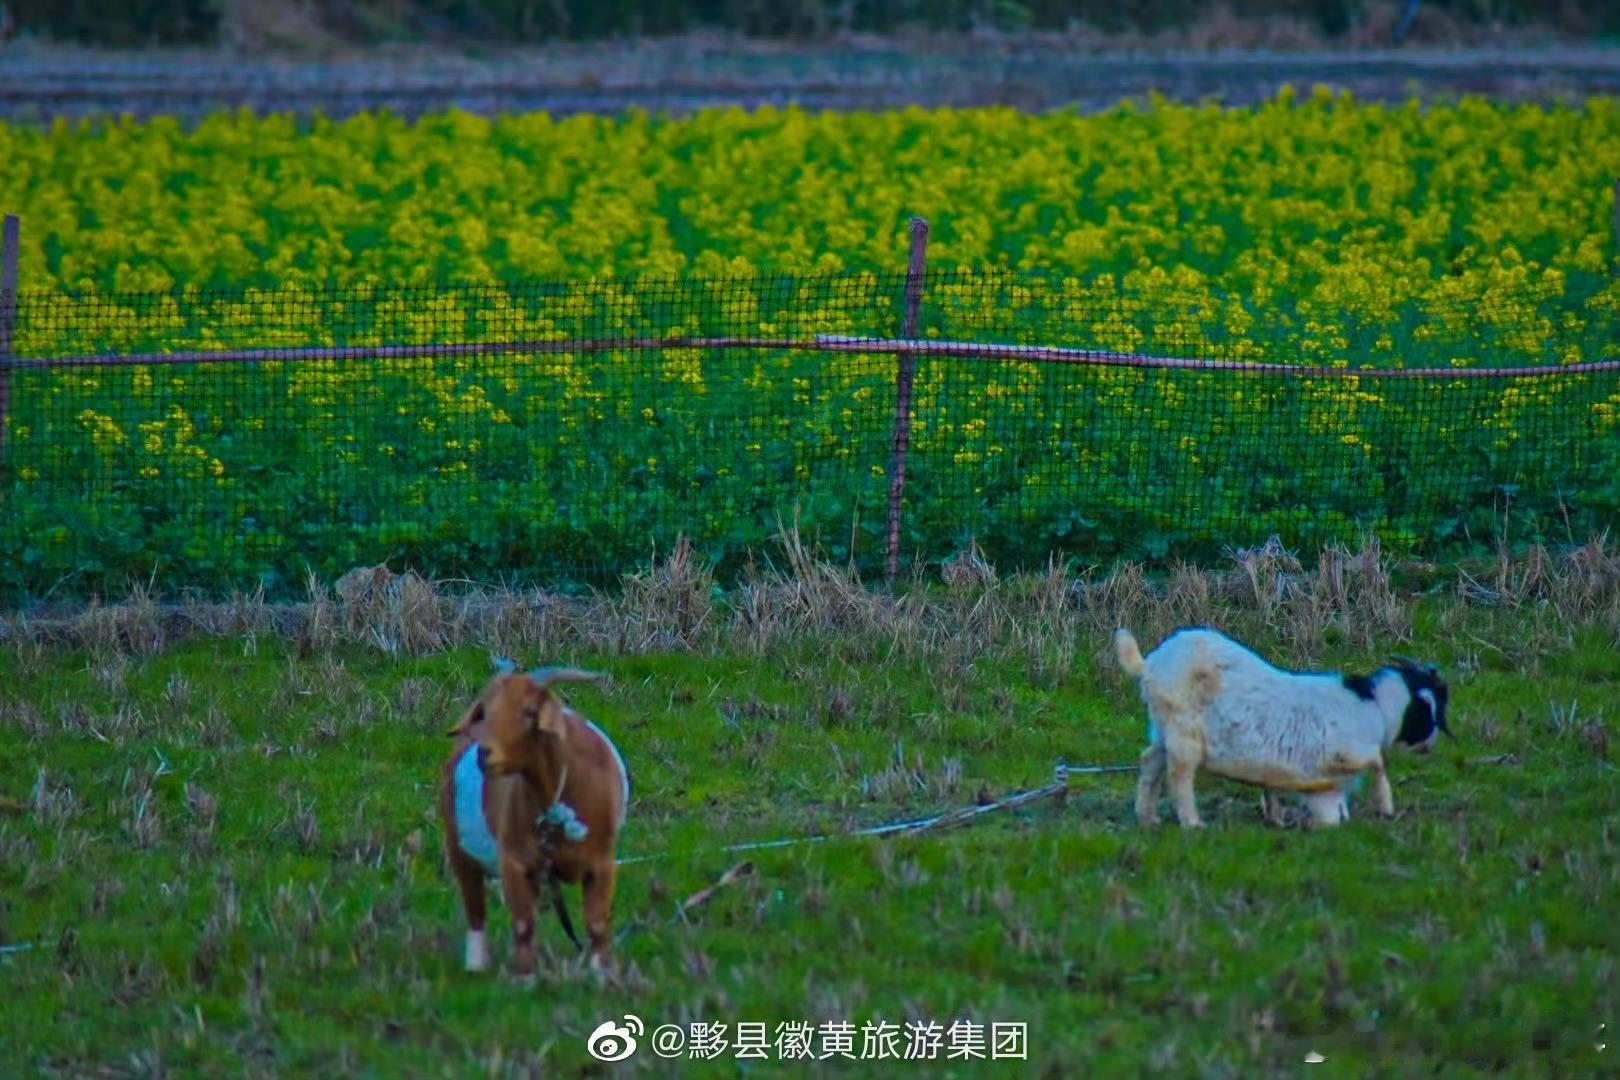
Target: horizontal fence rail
(825, 343)
(565, 431)
(1038, 354)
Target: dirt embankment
(40, 84)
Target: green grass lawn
(226, 854)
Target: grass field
(218, 834)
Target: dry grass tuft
(668, 607)
(1264, 578)
(1587, 582)
(177, 694)
(513, 622)
(968, 570)
(303, 824)
(1048, 632)
(1191, 595)
(976, 614)
(810, 598)
(141, 820)
(1352, 594)
(214, 730)
(321, 624)
(132, 627)
(400, 612)
(203, 807)
(243, 615)
(1508, 581)
(25, 715)
(1122, 598)
(899, 778)
(1264, 595)
(52, 804)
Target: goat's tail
(1128, 651)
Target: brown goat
(534, 794)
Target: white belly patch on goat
(472, 827)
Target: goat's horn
(544, 677)
(503, 665)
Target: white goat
(1214, 705)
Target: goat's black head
(1425, 716)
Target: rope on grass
(1058, 788)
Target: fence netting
(561, 432)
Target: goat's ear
(1437, 709)
(550, 720)
(471, 721)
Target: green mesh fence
(551, 432)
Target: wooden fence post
(8, 325)
(905, 378)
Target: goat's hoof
(477, 954)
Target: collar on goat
(561, 814)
